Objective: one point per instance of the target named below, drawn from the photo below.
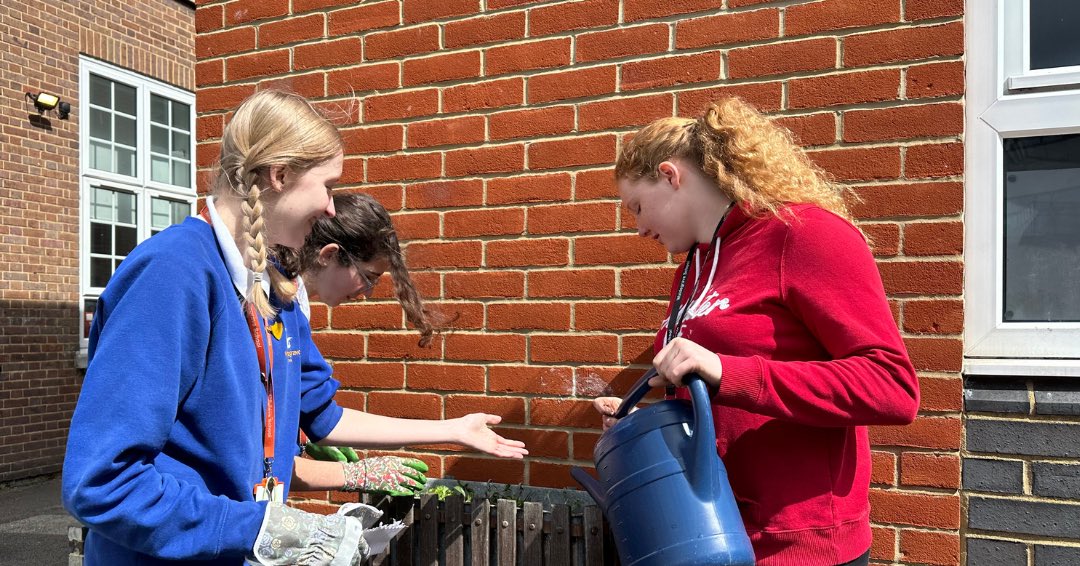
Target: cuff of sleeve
(241, 526)
(741, 381)
(325, 422)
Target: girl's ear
(277, 177)
(669, 172)
(328, 253)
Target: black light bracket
(43, 102)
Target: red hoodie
(811, 355)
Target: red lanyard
(266, 373)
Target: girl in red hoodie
(780, 308)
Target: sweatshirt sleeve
(148, 348)
(829, 281)
(319, 414)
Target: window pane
(89, 306)
(100, 238)
(100, 271)
(159, 169)
(181, 145)
(101, 205)
(125, 131)
(125, 98)
(1042, 234)
(180, 211)
(100, 91)
(100, 124)
(101, 156)
(181, 116)
(181, 173)
(159, 140)
(159, 213)
(125, 161)
(126, 238)
(159, 110)
(1054, 41)
(125, 208)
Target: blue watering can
(663, 489)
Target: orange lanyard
(266, 374)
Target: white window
(1022, 188)
(136, 165)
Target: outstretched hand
(472, 431)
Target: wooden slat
(481, 533)
(532, 528)
(507, 528)
(594, 536)
(404, 508)
(557, 545)
(428, 553)
(453, 534)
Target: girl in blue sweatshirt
(202, 370)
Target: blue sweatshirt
(166, 439)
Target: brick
(222, 98)
(933, 238)
(209, 127)
(1056, 398)
(511, 409)
(726, 29)
(543, 54)
(532, 188)
(532, 379)
(922, 277)
(941, 394)
(935, 354)
(489, 94)
(934, 160)
(244, 11)
(576, 348)
(859, 163)
(416, 11)
(622, 315)
(1023, 438)
(483, 222)
(385, 316)
(330, 53)
(582, 150)
(444, 254)
(308, 5)
(552, 120)
(564, 218)
(583, 443)
(782, 58)
(363, 78)
(934, 316)
(648, 282)
(840, 89)
(624, 112)
(574, 283)
(488, 346)
(401, 347)
(934, 80)
(401, 104)
(309, 85)
(405, 405)
(617, 250)
(547, 252)
(363, 18)
(904, 44)
(594, 184)
(634, 10)
(444, 194)
(764, 96)
(446, 377)
(396, 43)
(416, 226)
(209, 18)
(883, 468)
(572, 16)
(235, 40)
(637, 349)
(810, 129)
(403, 167)
(915, 10)
(566, 85)
(528, 316)
(480, 30)
(994, 552)
(1050, 555)
(920, 510)
(441, 68)
(930, 470)
(883, 541)
(997, 476)
(906, 122)
(373, 139)
(545, 474)
(463, 316)
(909, 200)
(510, 472)
(996, 395)
(926, 432)
(884, 238)
(340, 345)
(563, 413)
(210, 73)
(486, 159)
(291, 30)
(543, 444)
(485, 284)
(1036, 518)
(621, 42)
(670, 71)
(369, 375)
(451, 131)
(353, 171)
(928, 547)
(817, 17)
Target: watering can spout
(593, 487)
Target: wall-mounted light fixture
(44, 102)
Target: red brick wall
(489, 128)
(39, 190)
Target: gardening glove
(292, 536)
(386, 474)
(331, 453)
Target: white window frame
(141, 185)
(1019, 75)
(997, 109)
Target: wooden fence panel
(481, 533)
(533, 531)
(557, 549)
(429, 531)
(453, 532)
(594, 537)
(507, 524)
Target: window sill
(1021, 367)
(81, 358)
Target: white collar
(242, 277)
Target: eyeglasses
(369, 285)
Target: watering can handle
(637, 392)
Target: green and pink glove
(386, 474)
